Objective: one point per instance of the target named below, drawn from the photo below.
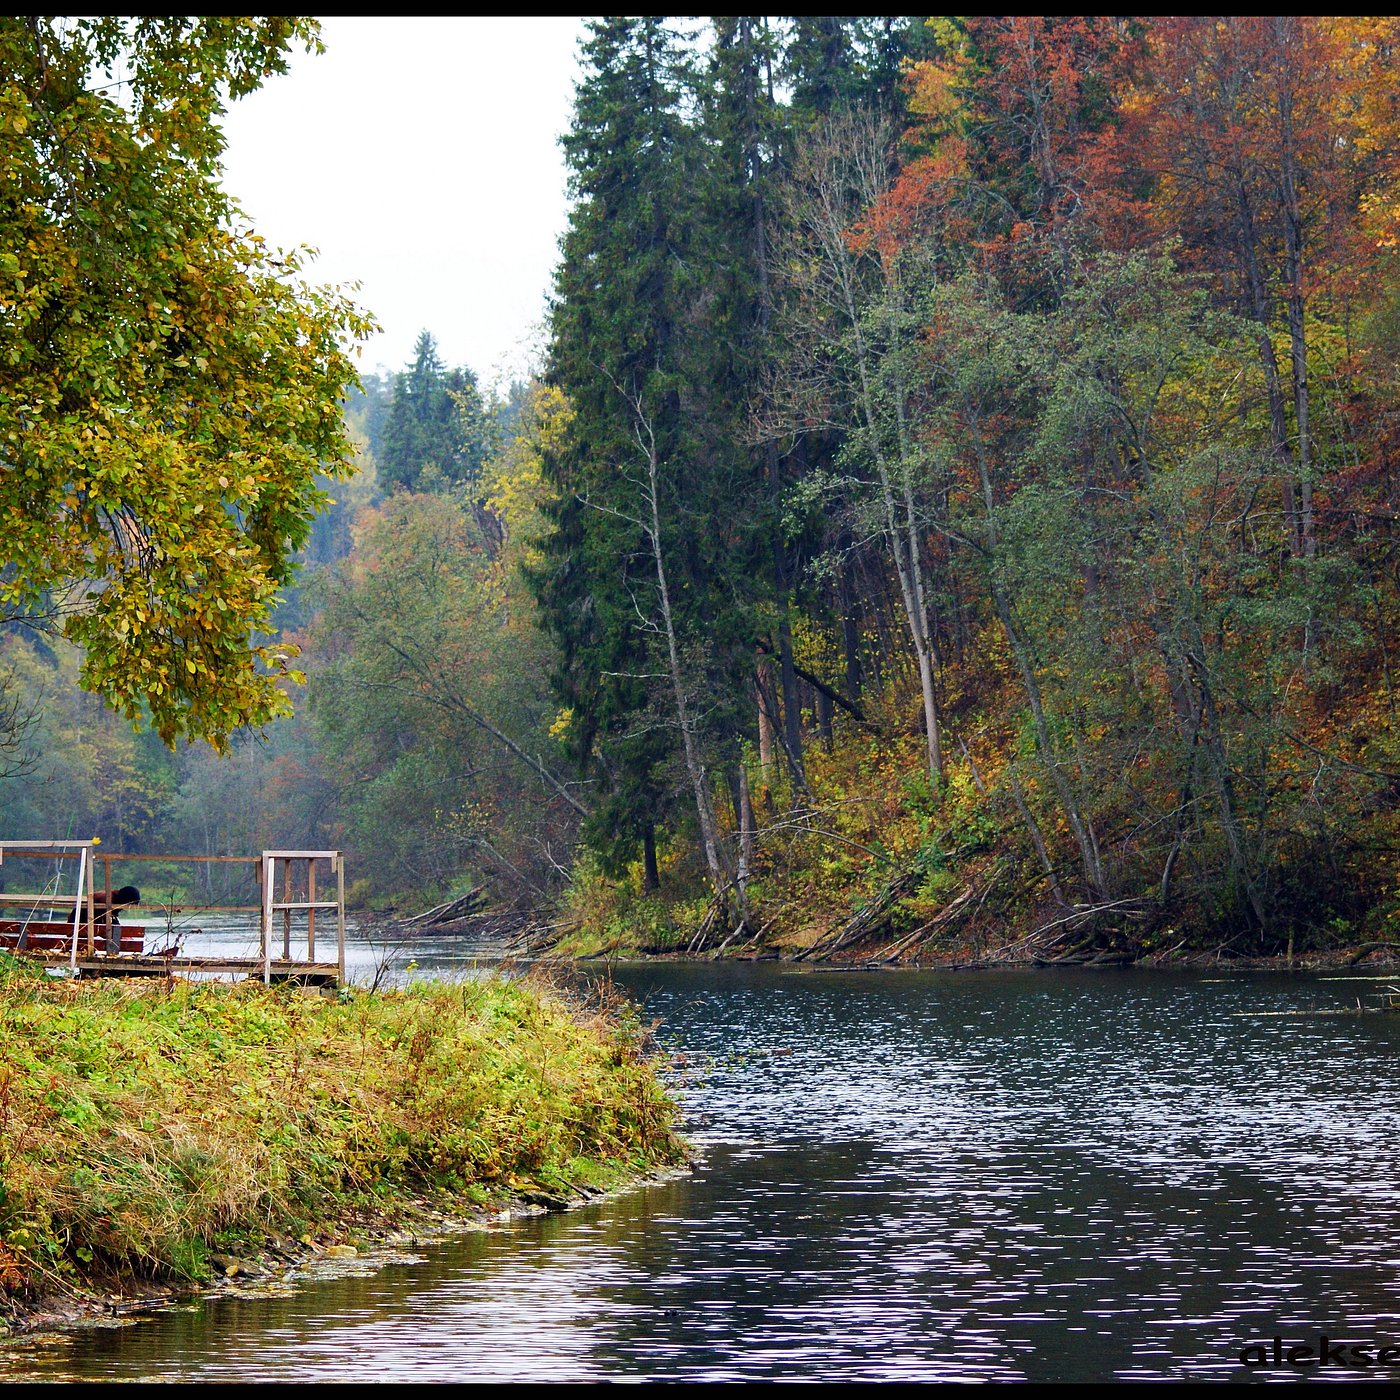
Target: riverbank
(888, 928)
(154, 1139)
(364, 1241)
(983, 906)
(1342, 960)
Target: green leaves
(168, 391)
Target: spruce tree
(434, 432)
(626, 586)
(745, 127)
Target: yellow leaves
(251, 405)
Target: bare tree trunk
(792, 728)
(1273, 384)
(769, 702)
(694, 762)
(823, 703)
(745, 822)
(850, 632)
(1188, 669)
(765, 723)
(792, 705)
(1240, 864)
(651, 875)
(1293, 266)
(1037, 839)
(902, 535)
(845, 166)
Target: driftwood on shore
(964, 907)
(1366, 949)
(866, 920)
(1073, 936)
(461, 907)
(510, 932)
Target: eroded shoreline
(284, 1265)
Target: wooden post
(107, 891)
(78, 907)
(91, 911)
(287, 913)
(340, 912)
(265, 875)
(311, 913)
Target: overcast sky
(421, 157)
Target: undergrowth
(962, 857)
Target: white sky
(421, 157)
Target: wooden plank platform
(50, 938)
(146, 965)
(44, 935)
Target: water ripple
(938, 1177)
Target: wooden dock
(311, 974)
(77, 941)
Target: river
(1068, 1175)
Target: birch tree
(853, 326)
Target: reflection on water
(905, 1176)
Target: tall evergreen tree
(630, 584)
(435, 428)
(745, 126)
(843, 61)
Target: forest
(955, 516)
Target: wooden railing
(83, 899)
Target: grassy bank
(144, 1129)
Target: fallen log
(1366, 949)
(716, 908)
(740, 928)
(951, 913)
(449, 909)
(865, 920)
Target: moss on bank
(144, 1128)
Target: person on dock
(105, 906)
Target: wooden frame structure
(60, 850)
(85, 958)
(287, 906)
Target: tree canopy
(169, 388)
(435, 429)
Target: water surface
(904, 1176)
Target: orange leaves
(1011, 138)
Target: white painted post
(340, 912)
(78, 907)
(269, 864)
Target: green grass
(143, 1127)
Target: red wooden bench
(49, 935)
